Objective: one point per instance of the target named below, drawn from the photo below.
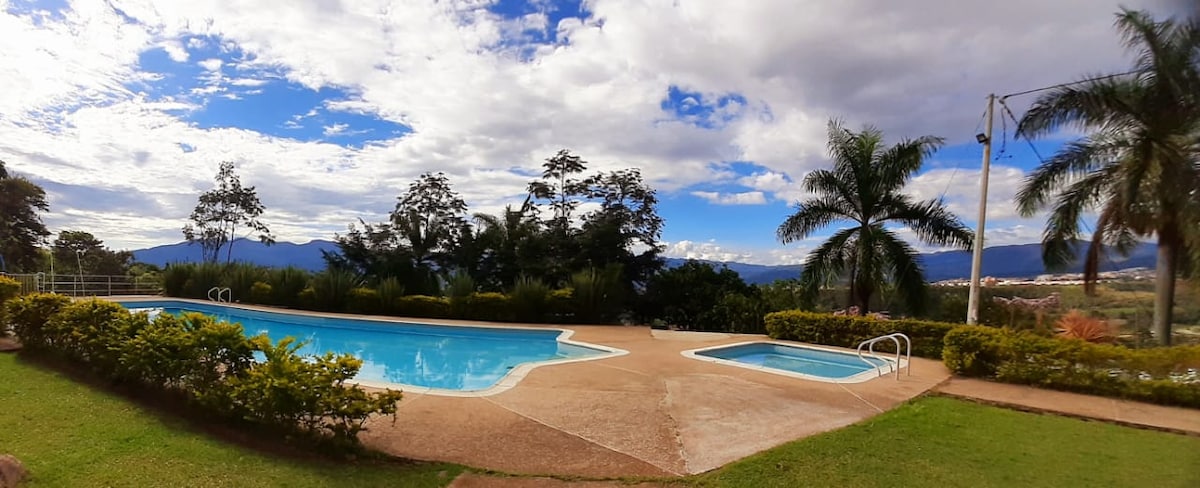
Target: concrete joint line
(864, 400)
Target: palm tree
(864, 187)
(1139, 164)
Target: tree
(563, 192)
(690, 296)
(21, 228)
(512, 245)
(216, 218)
(864, 188)
(1138, 165)
(74, 248)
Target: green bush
(29, 315)
(363, 300)
(528, 299)
(423, 306)
(286, 285)
(849, 331)
(204, 277)
(1156, 375)
(289, 389)
(560, 305)
(240, 278)
(9, 289)
(174, 278)
(491, 306)
(389, 290)
(332, 287)
(209, 362)
(741, 314)
(261, 293)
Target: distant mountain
(1017, 261)
(1022, 260)
(307, 255)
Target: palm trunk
(1164, 287)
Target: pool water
(431, 356)
(817, 363)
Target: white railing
(893, 364)
(221, 295)
(85, 285)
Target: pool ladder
(220, 295)
(893, 364)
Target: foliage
(28, 315)
(1078, 325)
(390, 290)
(286, 285)
(1136, 167)
(331, 288)
(73, 248)
(528, 299)
(209, 362)
(742, 314)
(261, 292)
(596, 294)
(240, 277)
(1157, 375)
(490, 306)
(849, 331)
(9, 288)
(865, 187)
(363, 300)
(174, 278)
(21, 227)
(423, 306)
(219, 213)
(290, 389)
(685, 296)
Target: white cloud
(72, 112)
(960, 190)
(744, 198)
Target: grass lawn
(70, 434)
(938, 441)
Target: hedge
(849, 331)
(208, 362)
(1157, 375)
(9, 289)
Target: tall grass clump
(528, 299)
(331, 288)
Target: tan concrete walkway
(652, 412)
(1182, 420)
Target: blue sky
(123, 110)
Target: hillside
(1023, 260)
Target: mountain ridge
(1011, 261)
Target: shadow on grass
(174, 410)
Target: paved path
(652, 412)
(1175, 419)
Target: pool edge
(505, 383)
(868, 375)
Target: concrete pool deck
(651, 412)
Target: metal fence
(86, 285)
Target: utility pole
(977, 255)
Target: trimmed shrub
(261, 293)
(363, 300)
(88, 331)
(1159, 375)
(423, 306)
(491, 306)
(29, 315)
(9, 289)
(849, 331)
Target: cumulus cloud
(744, 198)
(477, 93)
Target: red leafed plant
(1078, 325)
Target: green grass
(70, 434)
(937, 441)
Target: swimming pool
(806, 362)
(443, 359)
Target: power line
(1062, 85)
(1016, 135)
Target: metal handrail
(224, 295)
(892, 366)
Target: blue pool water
(433, 356)
(813, 362)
